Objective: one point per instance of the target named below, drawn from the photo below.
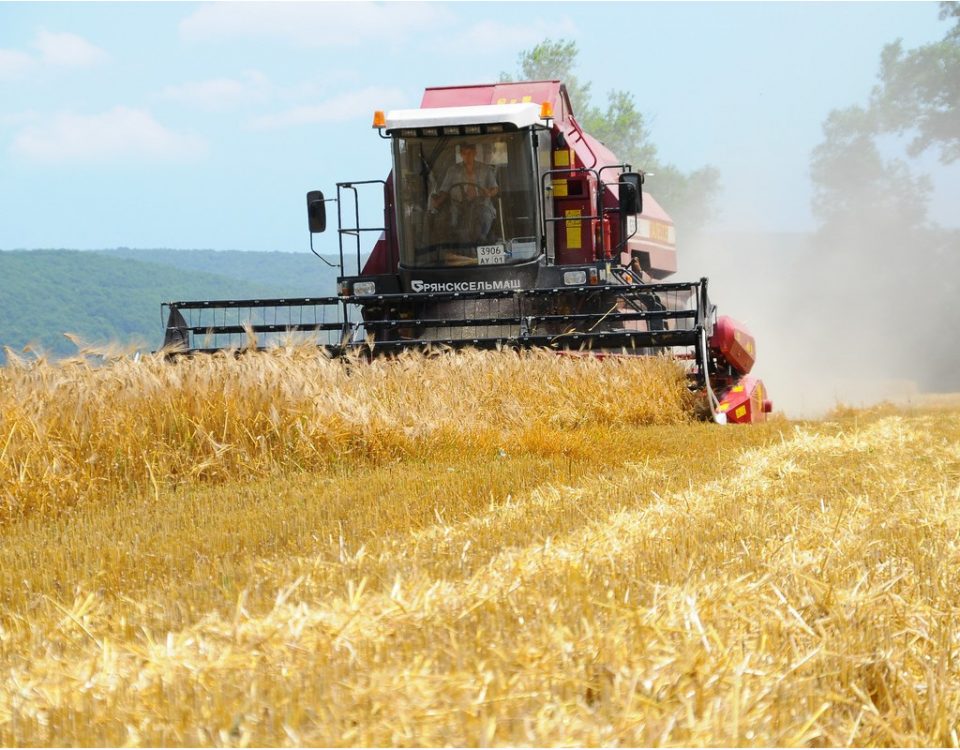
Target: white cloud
(54, 49)
(314, 24)
(318, 85)
(354, 104)
(67, 50)
(221, 93)
(484, 37)
(122, 133)
(19, 119)
(14, 64)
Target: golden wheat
(75, 431)
(467, 559)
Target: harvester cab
(504, 225)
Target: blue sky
(190, 125)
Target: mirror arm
(332, 265)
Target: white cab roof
(520, 115)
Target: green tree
(881, 258)
(918, 95)
(852, 181)
(690, 198)
(621, 128)
(919, 91)
(549, 60)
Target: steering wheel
(464, 195)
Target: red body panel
(746, 401)
(498, 93)
(734, 343)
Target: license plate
(491, 255)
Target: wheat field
(479, 549)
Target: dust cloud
(852, 315)
(867, 306)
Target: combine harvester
(504, 225)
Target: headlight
(573, 278)
(364, 288)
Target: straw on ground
(480, 549)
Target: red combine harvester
(504, 225)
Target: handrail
(543, 192)
(356, 230)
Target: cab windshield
(466, 200)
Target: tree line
(876, 242)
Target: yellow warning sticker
(659, 231)
(740, 412)
(574, 240)
(560, 189)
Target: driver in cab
(470, 185)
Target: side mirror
(316, 211)
(631, 193)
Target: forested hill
(289, 274)
(116, 295)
